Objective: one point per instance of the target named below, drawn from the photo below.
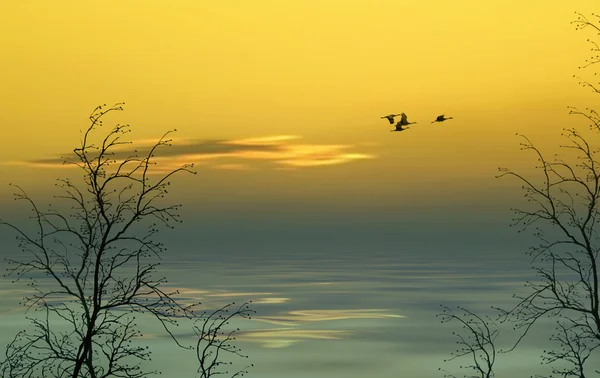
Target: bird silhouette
(399, 127)
(441, 119)
(404, 120)
(390, 117)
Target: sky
(279, 104)
(310, 80)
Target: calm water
(325, 314)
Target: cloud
(282, 151)
(263, 141)
(232, 167)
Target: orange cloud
(282, 150)
(232, 167)
(263, 141)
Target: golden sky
(291, 92)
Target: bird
(404, 120)
(441, 119)
(390, 117)
(399, 127)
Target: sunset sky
(308, 78)
(278, 105)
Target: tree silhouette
(90, 267)
(563, 214)
(213, 340)
(478, 342)
(564, 218)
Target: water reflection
(320, 315)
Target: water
(324, 314)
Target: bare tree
(564, 217)
(214, 340)
(478, 344)
(575, 349)
(581, 23)
(91, 266)
(563, 214)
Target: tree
(478, 343)
(564, 218)
(97, 258)
(214, 340)
(563, 213)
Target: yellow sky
(323, 71)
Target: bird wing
(399, 126)
(388, 118)
(404, 119)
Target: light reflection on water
(323, 316)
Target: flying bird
(390, 117)
(399, 127)
(404, 120)
(441, 119)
